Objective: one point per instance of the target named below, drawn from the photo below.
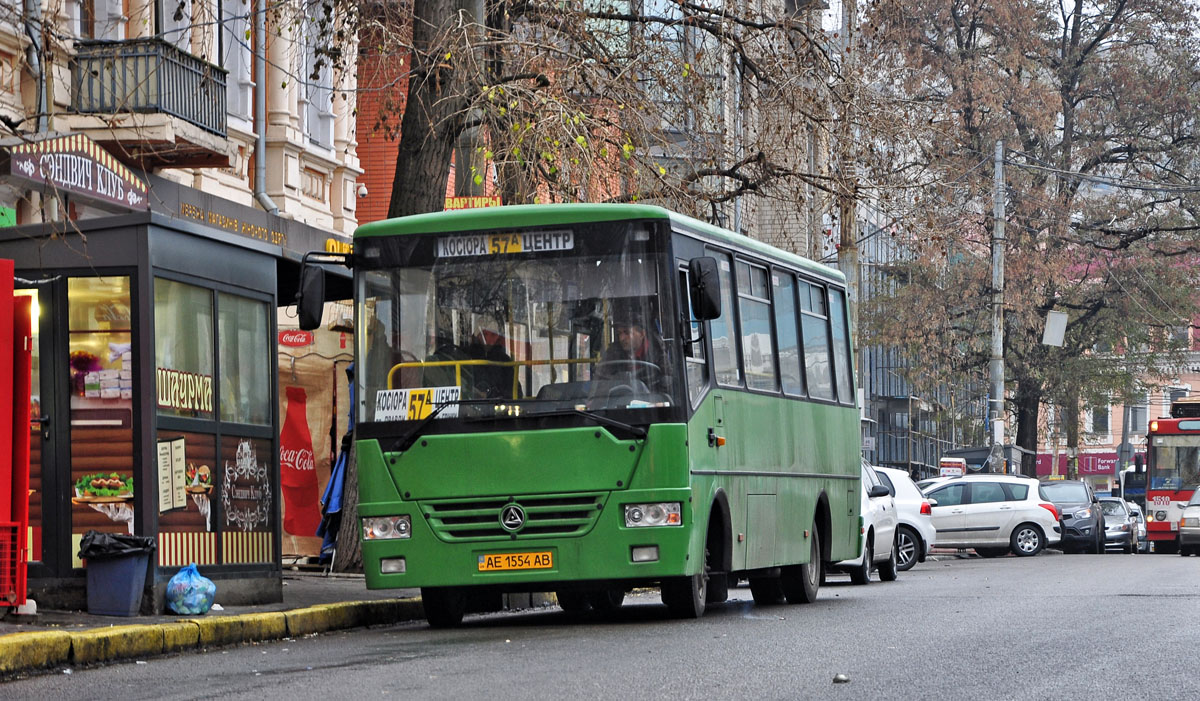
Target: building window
(235, 56)
(318, 79)
(1139, 414)
(175, 22)
(1100, 420)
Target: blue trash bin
(114, 586)
(116, 571)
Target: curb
(28, 652)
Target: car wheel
(862, 573)
(444, 606)
(767, 591)
(1097, 548)
(888, 571)
(1027, 540)
(801, 582)
(908, 548)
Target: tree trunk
(1027, 400)
(433, 114)
(348, 557)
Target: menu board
(172, 474)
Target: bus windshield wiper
(637, 431)
(406, 441)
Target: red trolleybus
(1173, 471)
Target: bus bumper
(608, 551)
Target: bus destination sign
(415, 404)
(503, 244)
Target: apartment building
(164, 167)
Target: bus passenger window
(817, 356)
(758, 344)
(725, 358)
(693, 353)
(790, 369)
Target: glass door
(40, 447)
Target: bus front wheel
(444, 606)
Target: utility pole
(996, 366)
(847, 253)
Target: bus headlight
(1160, 515)
(660, 514)
(386, 527)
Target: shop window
(183, 349)
(101, 406)
(244, 360)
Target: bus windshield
(1175, 462)
(515, 323)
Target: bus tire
(888, 571)
(444, 606)
(685, 596)
(606, 600)
(718, 587)
(572, 601)
(802, 582)
(767, 591)
(862, 573)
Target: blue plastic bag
(190, 592)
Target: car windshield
(1112, 508)
(538, 321)
(1064, 492)
(1195, 498)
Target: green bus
(587, 398)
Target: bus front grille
(545, 515)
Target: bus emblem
(512, 518)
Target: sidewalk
(312, 603)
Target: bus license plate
(497, 562)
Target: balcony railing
(148, 76)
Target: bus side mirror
(705, 289)
(1138, 463)
(310, 298)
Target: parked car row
(998, 514)
(994, 515)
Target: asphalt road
(1052, 626)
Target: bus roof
(513, 216)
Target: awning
(73, 165)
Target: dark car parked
(1080, 515)
(1120, 525)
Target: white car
(914, 532)
(994, 514)
(879, 521)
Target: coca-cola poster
(298, 475)
(296, 338)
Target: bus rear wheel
(767, 591)
(801, 582)
(444, 606)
